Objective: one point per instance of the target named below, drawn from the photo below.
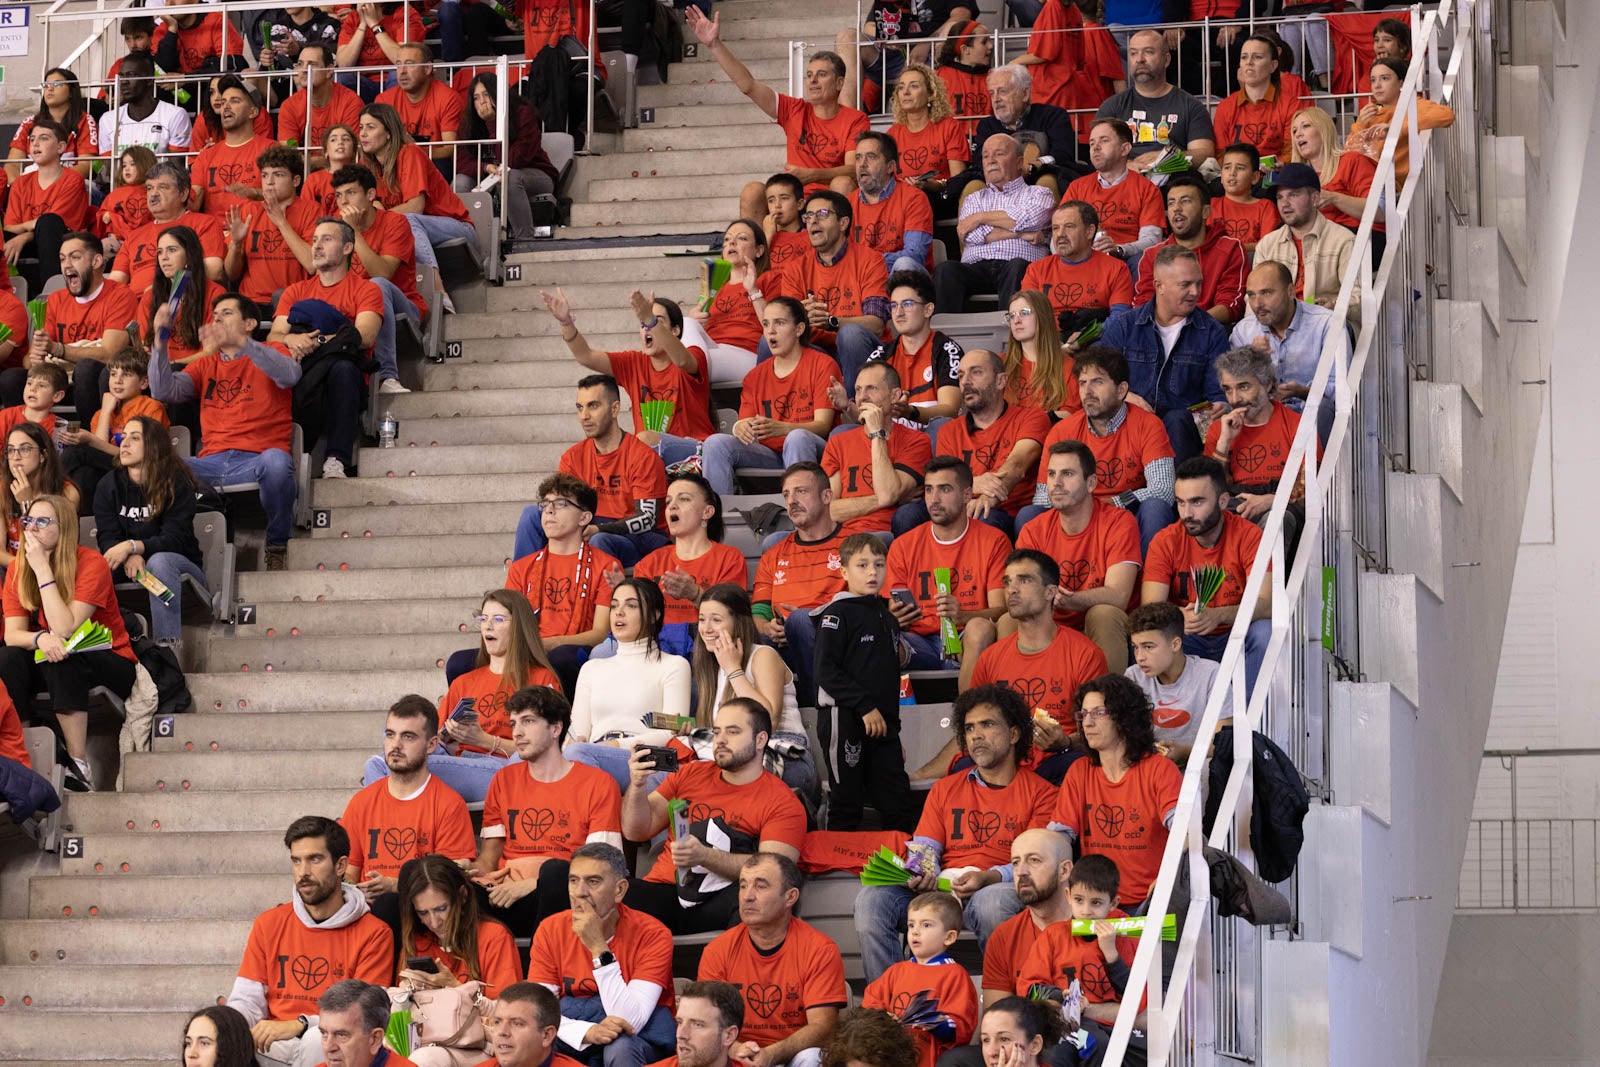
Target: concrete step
(311, 587)
(721, 185)
(285, 731)
(691, 231)
(158, 897)
(318, 690)
(453, 403)
(104, 1037)
(464, 489)
(421, 616)
(612, 316)
(674, 164)
(710, 116)
(66, 944)
(228, 852)
(126, 988)
(182, 772)
(709, 213)
(662, 138)
(350, 652)
(496, 429)
(773, 28)
(755, 44)
(419, 519)
(511, 363)
(273, 809)
(388, 463)
(462, 549)
(581, 295)
(625, 264)
(716, 89)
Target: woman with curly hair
(933, 144)
(217, 1036)
(869, 1037)
(1119, 801)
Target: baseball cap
(1295, 176)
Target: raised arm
(708, 31)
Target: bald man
(1004, 226)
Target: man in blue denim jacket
(1172, 345)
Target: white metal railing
(1528, 849)
(1440, 33)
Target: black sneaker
(76, 778)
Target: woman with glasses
(1118, 801)
(144, 520)
(618, 696)
(478, 742)
(441, 919)
(60, 99)
(35, 470)
(53, 588)
(1038, 368)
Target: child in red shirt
(125, 208)
(1098, 962)
(933, 922)
(1241, 215)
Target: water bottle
(388, 430)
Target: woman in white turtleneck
(616, 696)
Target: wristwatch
(877, 435)
(305, 1024)
(833, 323)
(605, 959)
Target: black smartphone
(663, 757)
(423, 963)
(904, 596)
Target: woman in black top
(144, 517)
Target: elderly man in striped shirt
(1003, 227)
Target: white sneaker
(332, 468)
(79, 778)
(392, 385)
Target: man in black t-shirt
(1157, 112)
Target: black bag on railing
(1278, 807)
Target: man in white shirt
(142, 119)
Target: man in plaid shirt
(1003, 227)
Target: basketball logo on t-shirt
(1108, 472)
(400, 841)
(1238, 229)
(874, 235)
(1110, 819)
(1096, 987)
(534, 823)
(1074, 573)
(1065, 294)
(763, 998)
(829, 295)
(983, 825)
(309, 972)
(1031, 690)
(556, 590)
(916, 160)
(1250, 458)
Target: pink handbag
(450, 1017)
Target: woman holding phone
(442, 925)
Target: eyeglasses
(822, 214)
(1093, 714)
(498, 620)
(13, 451)
(37, 522)
(1020, 313)
(905, 305)
(54, 84)
(558, 504)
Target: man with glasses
(429, 109)
(926, 359)
(167, 192)
(1004, 226)
(326, 101)
(142, 119)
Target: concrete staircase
(104, 953)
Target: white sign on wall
(14, 31)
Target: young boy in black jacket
(858, 694)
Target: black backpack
(172, 690)
(1278, 807)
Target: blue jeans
(927, 653)
(166, 620)
(724, 452)
(1182, 433)
(430, 230)
(1153, 516)
(656, 1039)
(1210, 646)
(468, 774)
(881, 919)
(799, 652)
(395, 304)
(628, 548)
(273, 469)
(363, 86)
(674, 449)
(608, 758)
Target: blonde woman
(1346, 176)
(932, 142)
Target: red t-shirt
(642, 946)
(402, 25)
(1223, 268)
(125, 412)
(1058, 957)
(818, 143)
(976, 560)
(176, 348)
(269, 262)
(221, 165)
(205, 40)
(1174, 554)
(780, 985)
(429, 119)
(545, 22)
(931, 148)
(1112, 537)
(1063, 79)
(858, 275)
(488, 691)
(240, 406)
(1120, 456)
(342, 109)
(731, 319)
(564, 590)
(947, 983)
(297, 963)
(1007, 951)
(1048, 678)
(1020, 387)
(762, 810)
(968, 91)
(642, 380)
(1124, 208)
(13, 742)
(883, 226)
(390, 235)
(70, 320)
(799, 574)
(351, 295)
(1245, 223)
(1099, 281)
(67, 197)
(795, 398)
(93, 587)
(1259, 453)
(785, 247)
(318, 192)
(723, 563)
(82, 143)
(1125, 820)
(622, 477)
(16, 415)
(988, 449)
(386, 831)
(498, 962)
(137, 257)
(123, 211)
(934, 366)
(1263, 123)
(1352, 177)
(535, 818)
(848, 456)
(976, 822)
(415, 175)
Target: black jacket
(120, 515)
(858, 656)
